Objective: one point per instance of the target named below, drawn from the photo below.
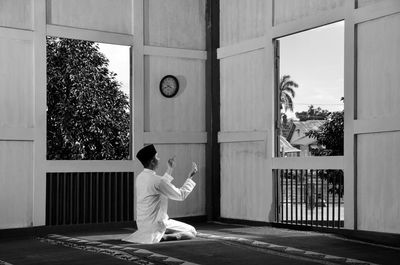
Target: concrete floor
(216, 243)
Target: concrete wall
(16, 113)
(247, 30)
(168, 37)
(177, 25)
(378, 95)
(372, 127)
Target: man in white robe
(153, 192)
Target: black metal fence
(310, 197)
(89, 197)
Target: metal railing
(310, 197)
(89, 197)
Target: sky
(119, 62)
(314, 59)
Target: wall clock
(169, 86)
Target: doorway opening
(309, 115)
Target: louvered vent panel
(89, 197)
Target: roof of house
(304, 141)
(297, 135)
(286, 147)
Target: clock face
(169, 86)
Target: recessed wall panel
(242, 20)
(16, 83)
(184, 112)
(194, 205)
(16, 171)
(104, 15)
(289, 10)
(246, 184)
(175, 23)
(363, 3)
(16, 14)
(378, 64)
(244, 99)
(378, 182)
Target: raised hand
(194, 170)
(171, 162)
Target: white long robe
(153, 192)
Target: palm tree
(286, 92)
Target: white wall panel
(246, 184)
(378, 64)
(16, 167)
(194, 205)
(175, 23)
(16, 14)
(243, 92)
(16, 83)
(362, 3)
(242, 20)
(378, 157)
(184, 112)
(104, 15)
(291, 10)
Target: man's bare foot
(171, 237)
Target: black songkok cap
(146, 153)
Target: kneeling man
(153, 192)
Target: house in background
(298, 139)
(288, 150)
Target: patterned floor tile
(136, 255)
(331, 259)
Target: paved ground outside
(301, 212)
(216, 243)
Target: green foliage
(330, 134)
(286, 125)
(313, 114)
(286, 92)
(88, 115)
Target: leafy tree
(313, 114)
(286, 92)
(286, 125)
(88, 115)
(330, 135)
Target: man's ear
(153, 162)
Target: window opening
(309, 75)
(88, 100)
(310, 90)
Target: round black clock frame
(169, 86)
